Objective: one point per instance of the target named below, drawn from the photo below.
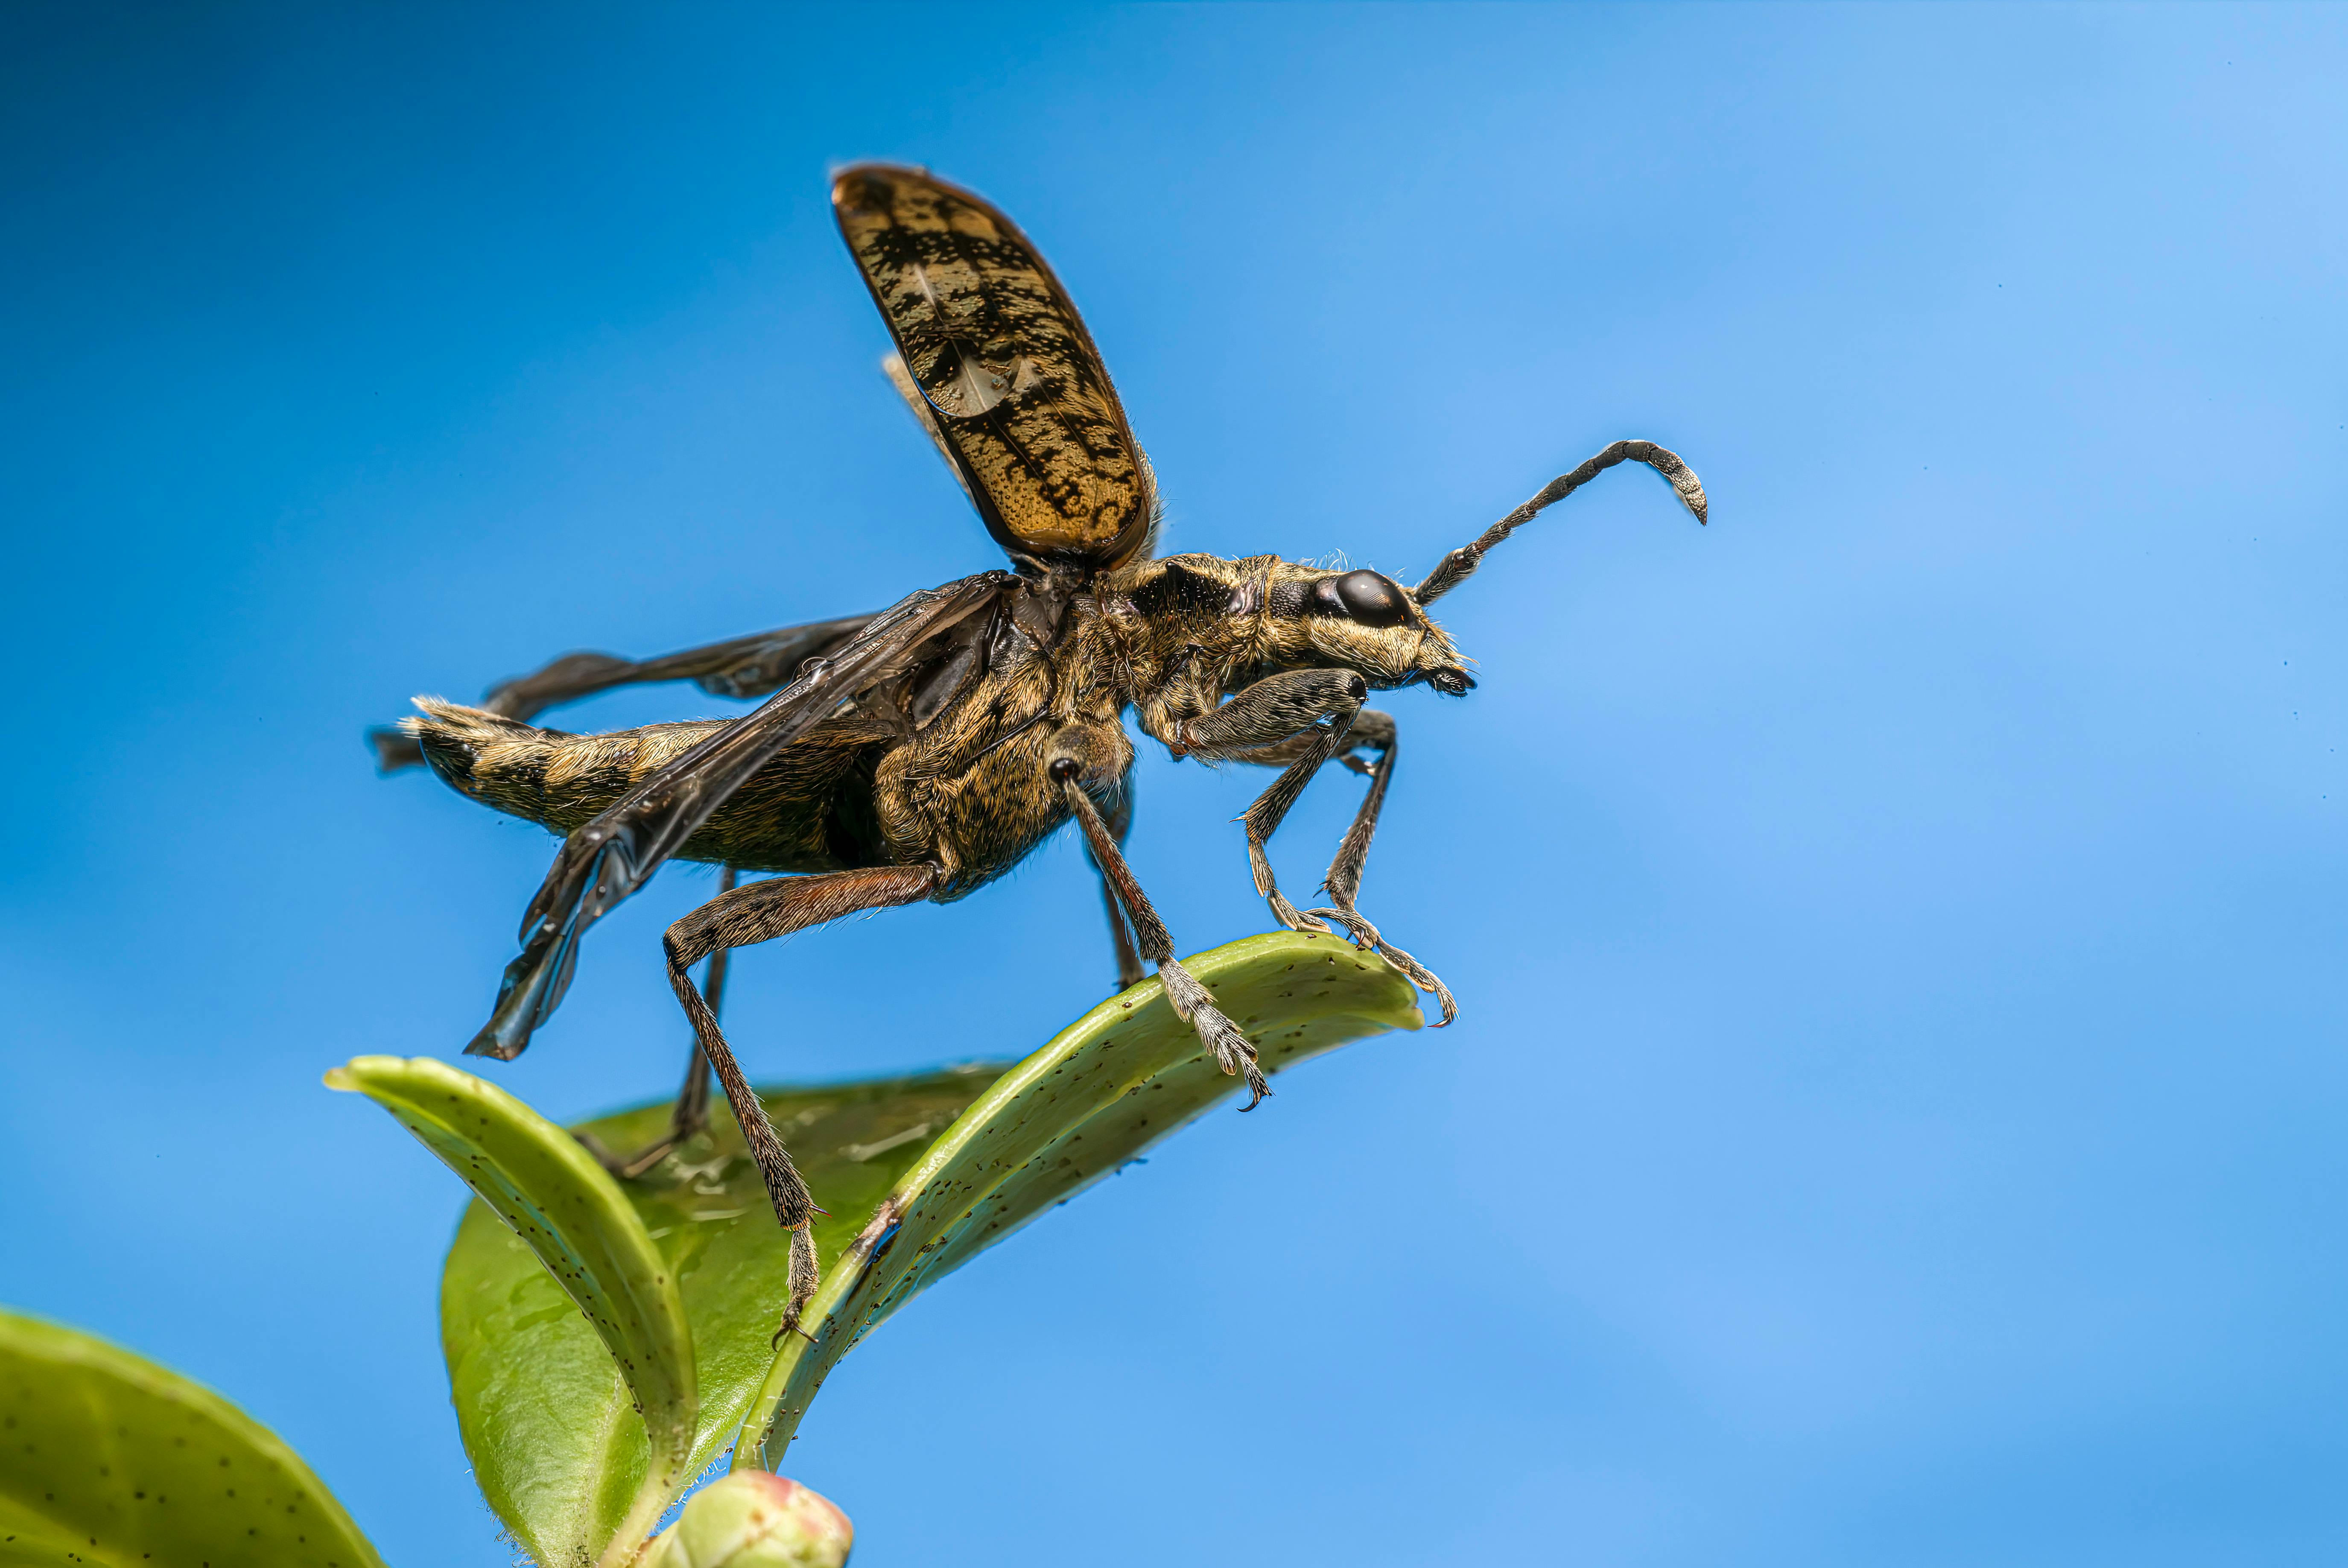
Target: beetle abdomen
(545, 775)
(800, 812)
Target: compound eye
(1365, 597)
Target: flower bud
(754, 1520)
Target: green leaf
(599, 1498)
(545, 1416)
(108, 1458)
(1115, 1082)
(536, 1393)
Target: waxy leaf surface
(108, 1458)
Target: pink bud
(754, 1520)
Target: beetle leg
(1129, 971)
(1191, 1001)
(1297, 722)
(690, 1115)
(760, 913)
(1300, 718)
(1374, 731)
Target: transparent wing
(740, 666)
(612, 856)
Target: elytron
(922, 752)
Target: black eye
(1364, 597)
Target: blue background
(1896, 1112)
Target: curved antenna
(1457, 566)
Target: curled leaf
(569, 1212)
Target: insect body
(922, 752)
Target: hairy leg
(760, 913)
(1129, 971)
(1300, 719)
(1297, 722)
(691, 1112)
(1374, 731)
(1191, 1001)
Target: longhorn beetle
(924, 751)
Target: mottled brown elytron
(920, 753)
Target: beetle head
(1358, 620)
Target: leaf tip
(353, 1077)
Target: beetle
(920, 753)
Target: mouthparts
(1450, 683)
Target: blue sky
(1895, 1112)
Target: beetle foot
(1195, 1004)
(1366, 937)
(1289, 915)
(804, 1277)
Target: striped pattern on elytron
(1018, 391)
